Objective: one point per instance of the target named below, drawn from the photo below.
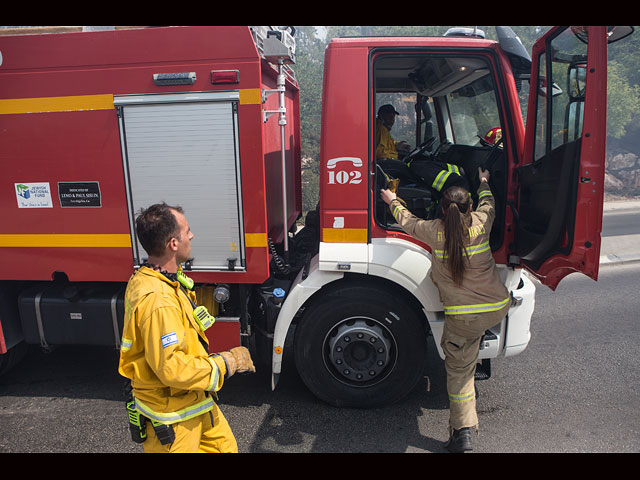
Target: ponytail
(455, 204)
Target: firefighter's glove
(238, 360)
(392, 186)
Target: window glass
(404, 127)
(473, 111)
(429, 124)
(541, 109)
(565, 117)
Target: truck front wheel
(360, 346)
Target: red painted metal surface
(85, 145)
(585, 253)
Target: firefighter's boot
(459, 440)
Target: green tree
(623, 101)
(309, 70)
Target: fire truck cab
(96, 125)
(362, 341)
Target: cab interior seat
(469, 158)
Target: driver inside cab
(386, 146)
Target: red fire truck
(96, 125)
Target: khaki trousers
(461, 344)
(196, 435)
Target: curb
(614, 259)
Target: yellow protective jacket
(481, 291)
(385, 145)
(162, 351)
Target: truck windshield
(473, 113)
(450, 98)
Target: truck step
(483, 370)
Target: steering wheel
(419, 150)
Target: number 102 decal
(346, 176)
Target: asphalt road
(572, 390)
(625, 222)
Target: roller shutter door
(183, 149)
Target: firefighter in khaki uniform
(164, 347)
(471, 292)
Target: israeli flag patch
(169, 339)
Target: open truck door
(561, 179)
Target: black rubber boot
(460, 441)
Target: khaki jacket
(162, 351)
(481, 290)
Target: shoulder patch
(169, 339)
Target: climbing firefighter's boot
(459, 440)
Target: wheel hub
(359, 352)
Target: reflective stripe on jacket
(442, 177)
(163, 351)
(173, 417)
(481, 290)
(439, 175)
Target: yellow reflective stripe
(173, 417)
(396, 213)
(250, 96)
(255, 239)
(126, 344)
(440, 180)
(442, 177)
(479, 308)
(345, 235)
(482, 247)
(441, 255)
(215, 375)
(453, 168)
(485, 193)
(464, 397)
(65, 240)
(56, 104)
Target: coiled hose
(281, 265)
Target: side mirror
(613, 33)
(544, 91)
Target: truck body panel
(77, 95)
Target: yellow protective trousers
(196, 435)
(461, 343)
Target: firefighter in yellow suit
(164, 347)
(479, 301)
(386, 146)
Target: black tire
(13, 357)
(361, 346)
